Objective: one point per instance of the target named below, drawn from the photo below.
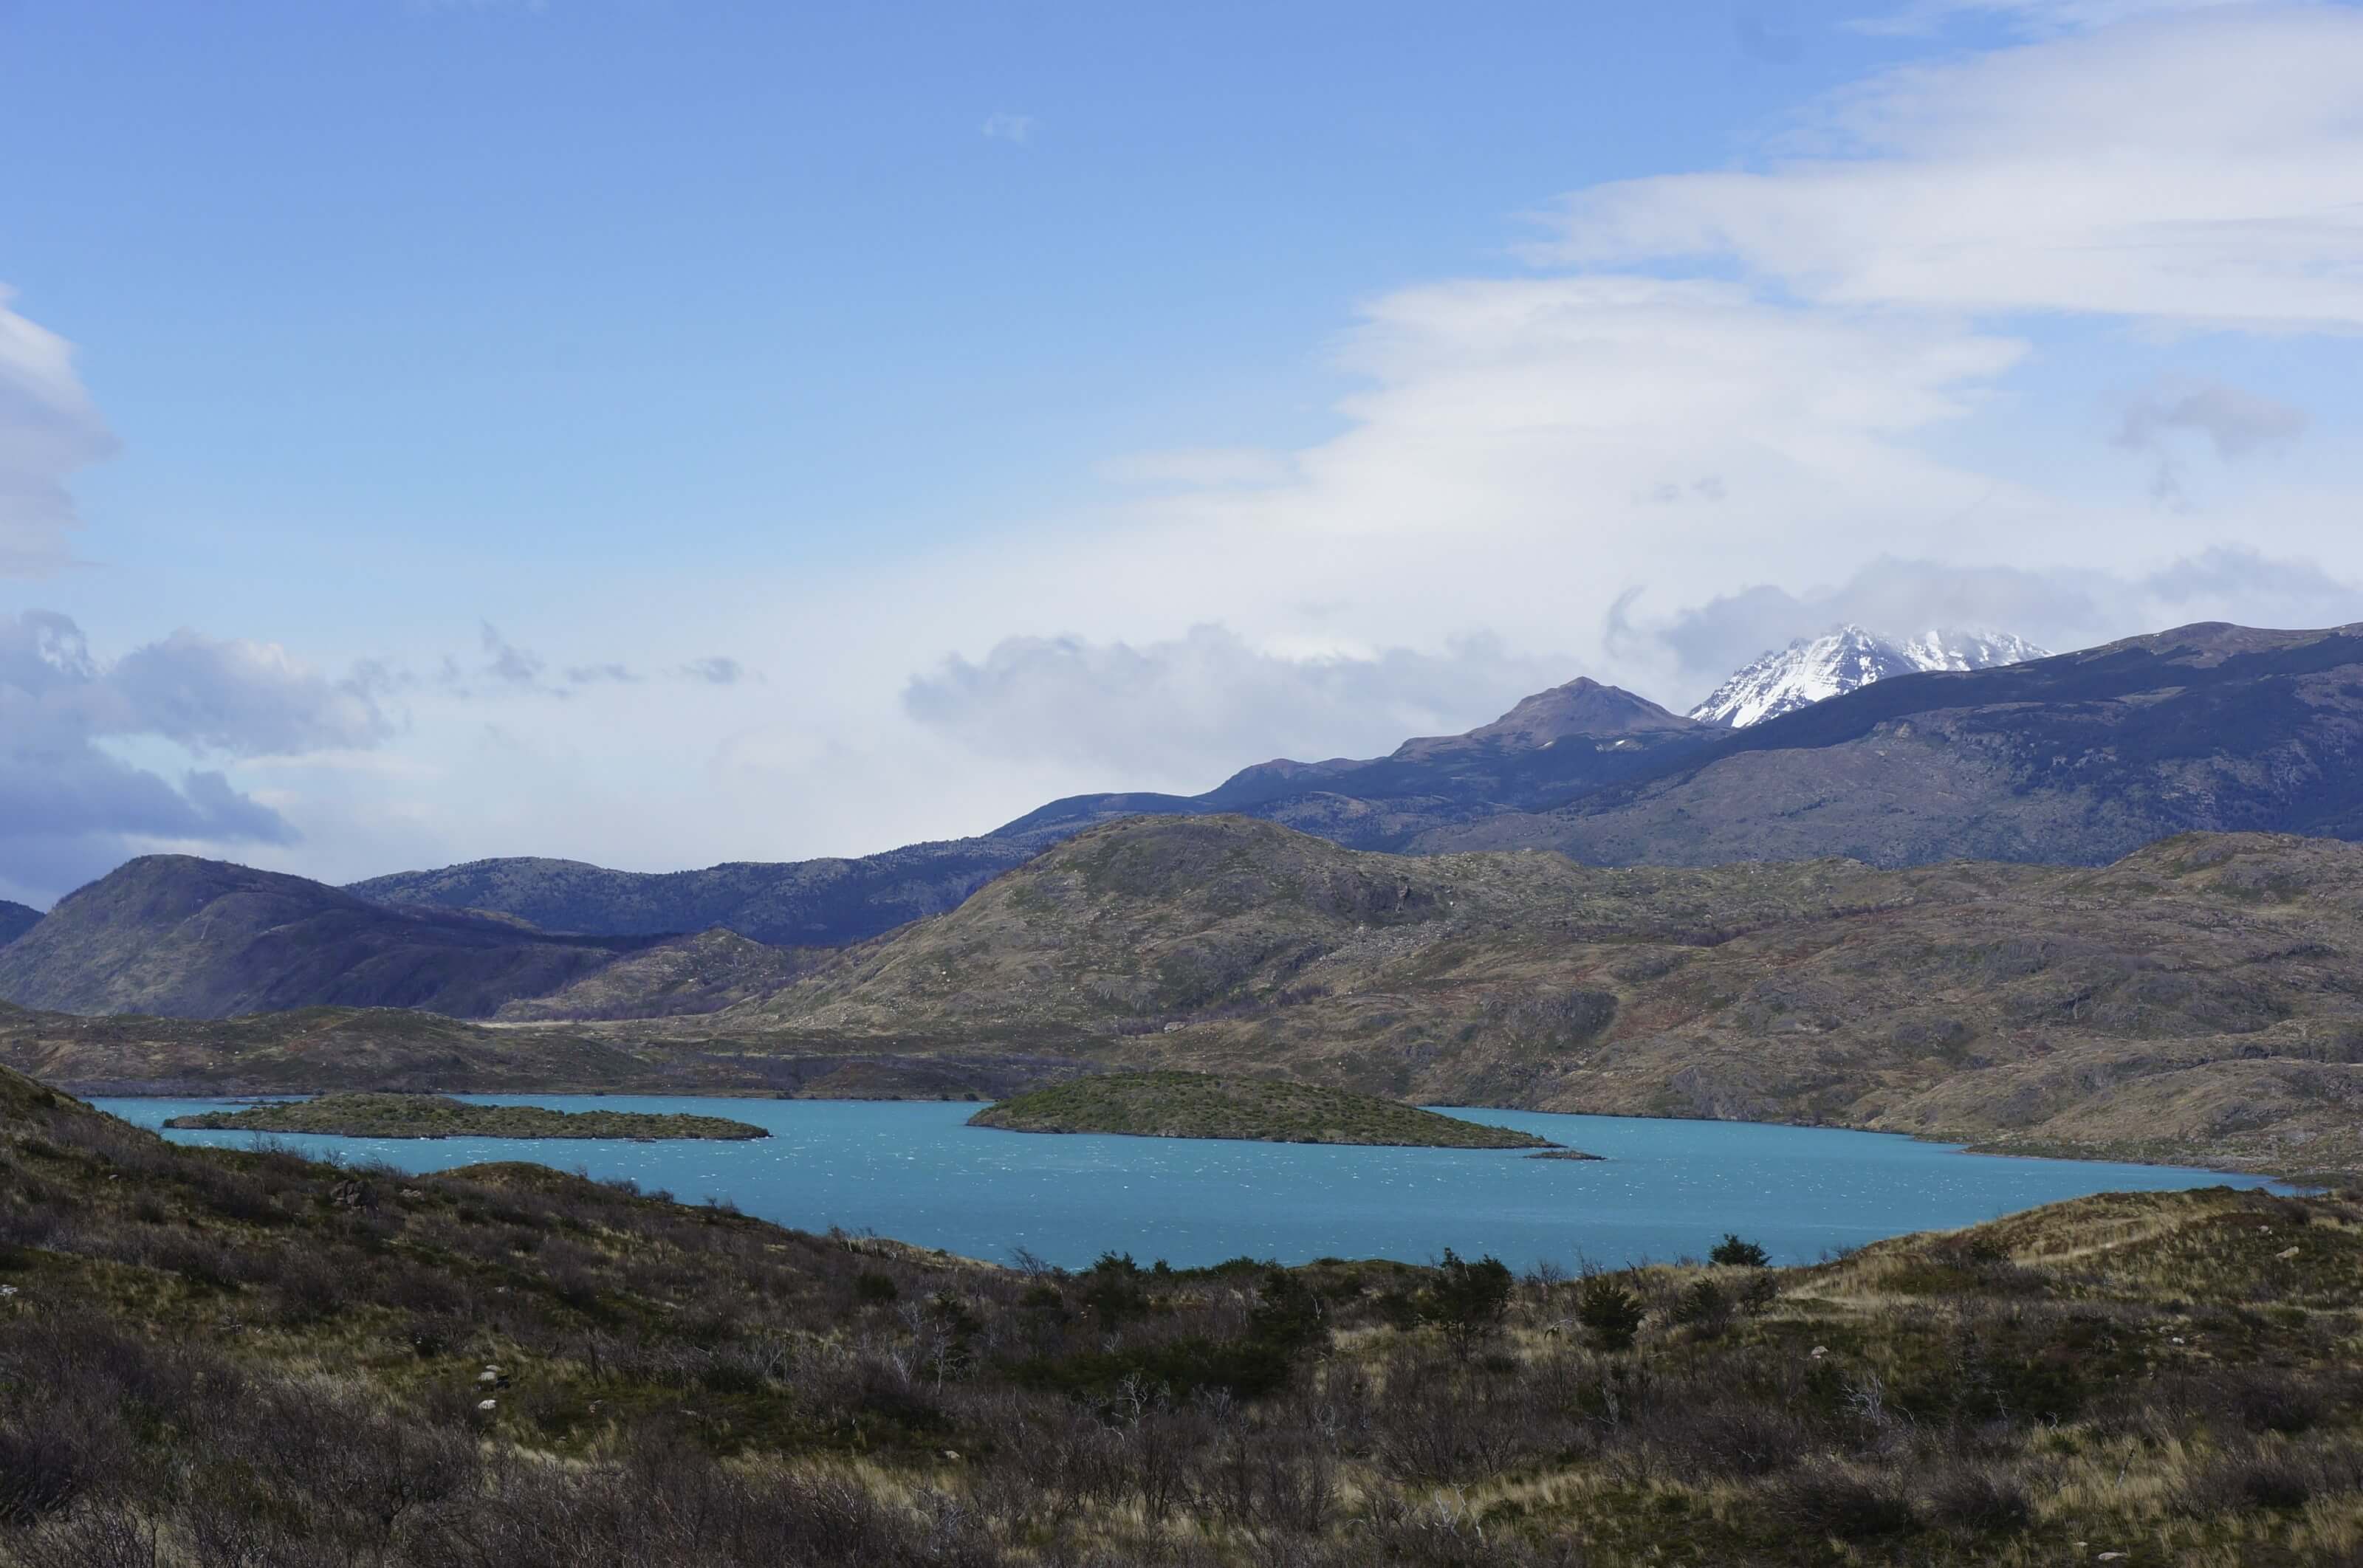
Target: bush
(1468, 1300)
(1612, 1313)
(871, 1286)
(1832, 1502)
(1733, 1252)
(1704, 1304)
(38, 1474)
(1288, 1314)
(1980, 1500)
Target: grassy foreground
(1201, 1105)
(214, 1356)
(439, 1116)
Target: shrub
(38, 1474)
(1832, 1502)
(1112, 1290)
(1978, 1500)
(1612, 1313)
(1703, 1303)
(871, 1286)
(1468, 1300)
(1733, 1252)
(1288, 1314)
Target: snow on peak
(1812, 668)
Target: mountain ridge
(188, 937)
(16, 920)
(1847, 659)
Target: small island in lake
(1202, 1105)
(438, 1116)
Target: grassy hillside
(190, 938)
(1198, 1105)
(215, 1356)
(438, 1116)
(318, 1050)
(681, 977)
(2193, 1001)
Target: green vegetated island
(439, 1116)
(1203, 1105)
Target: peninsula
(1203, 1105)
(439, 1116)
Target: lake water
(911, 1170)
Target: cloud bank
(1161, 712)
(72, 804)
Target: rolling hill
(2196, 1000)
(820, 903)
(190, 938)
(16, 920)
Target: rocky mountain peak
(1847, 659)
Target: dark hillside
(16, 920)
(2074, 759)
(823, 903)
(190, 938)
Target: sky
(664, 432)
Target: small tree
(1610, 1312)
(1289, 1314)
(1733, 1252)
(1468, 1300)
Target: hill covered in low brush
(2195, 1000)
(16, 920)
(242, 1357)
(1268, 1111)
(824, 902)
(177, 936)
(174, 934)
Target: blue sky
(661, 433)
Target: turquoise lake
(913, 1171)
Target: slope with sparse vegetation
(1199, 1105)
(211, 1357)
(438, 1116)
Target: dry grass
(210, 1357)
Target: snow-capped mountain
(1812, 668)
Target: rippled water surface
(913, 1171)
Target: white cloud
(70, 805)
(1160, 714)
(2061, 609)
(2034, 17)
(1016, 128)
(2203, 168)
(48, 429)
(1200, 467)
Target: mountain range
(2075, 758)
(2193, 999)
(1552, 748)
